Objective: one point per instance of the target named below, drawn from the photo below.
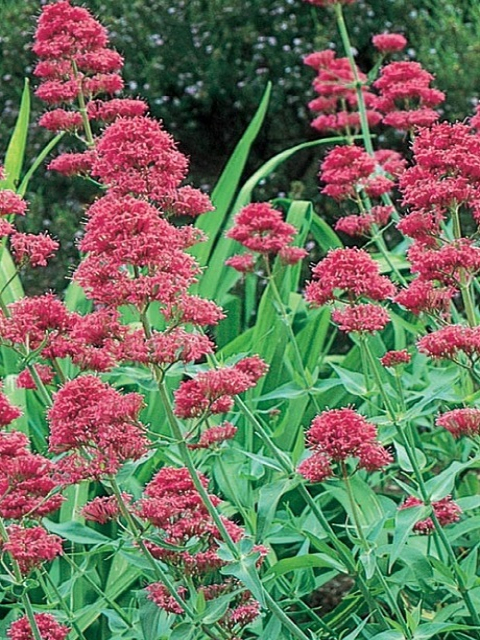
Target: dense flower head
(460, 422)
(161, 596)
(364, 224)
(447, 264)
(337, 101)
(33, 249)
(405, 96)
(31, 547)
(8, 412)
(213, 391)
(103, 509)
(389, 42)
(244, 263)
(73, 164)
(123, 231)
(36, 322)
(338, 434)
(351, 272)
(361, 318)
(346, 170)
(446, 511)
(49, 628)
(172, 504)
(74, 57)
(137, 156)
(395, 358)
(446, 171)
(214, 436)
(260, 228)
(179, 345)
(61, 120)
(91, 416)
(426, 296)
(450, 342)
(27, 480)
(11, 203)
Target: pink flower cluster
(260, 228)
(461, 422)
(337, 101)
(49, 628)
(446, 511)
(337, 435)
(97, 425)
(351, 275)
(213, 391)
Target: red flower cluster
(339, 434)
(347, 272)
(174, 506)
(405, 96)
(349, 169)
(104, 509)
(337, 101)
(460, 422)
(31, 547)
(90, 417)
(75, 61)
(450, 342)
(395, 358)
(260, 228)
(350, 275)
(213, 391)
(446, 511)
(389, 42)
(49, 628)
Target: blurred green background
(203, 65)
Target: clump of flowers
(446, 511)
(49, 628)
(351, 276)
(337, 101)
(31, 547)
(260, 228)
(338, 435)
(460, 422)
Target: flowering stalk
(367, 548)
(291, 472)
(410, 450)
(19, 580)
(291, 336)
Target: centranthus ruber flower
(389, 42)
(451, 343)
(338, 435)
(48, 626)
(90, 417)
(261, 229)
(213, 391)
(460, 422)
(350, 273)
(337, 101)
(446, 510)
(31, 547)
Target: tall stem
(438, 531)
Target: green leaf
(245, 570)
(352, 381)
(225, 189)
(443, 484)
(307, 561)
(15, 154)
(324, 235)
(404, 461)
(404, 522)
(76, 532)
(391, 634)
(430, 629)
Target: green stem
(426, 498)
(25, 600)
(83, 111)
(465, 289)
(111, 603)
(342, 27)
(291, 336)
(368, 549)
(41, 388)
(42, 576)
